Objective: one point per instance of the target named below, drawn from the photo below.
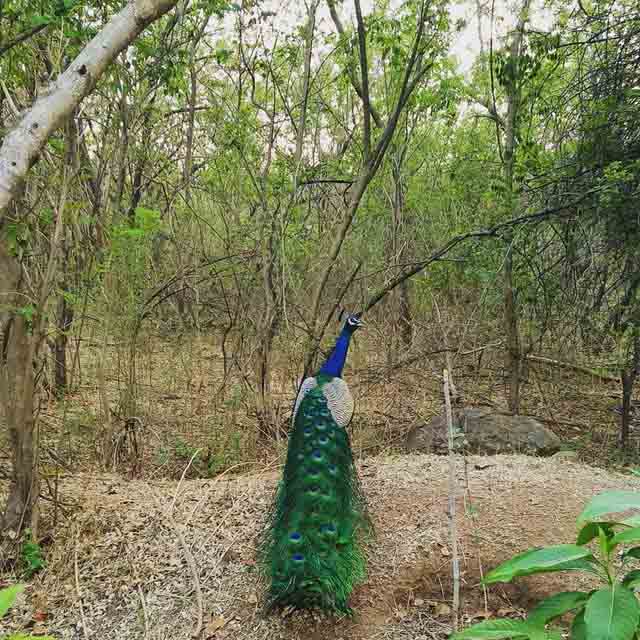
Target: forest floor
(130, 561)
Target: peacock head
(352, 323)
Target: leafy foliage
(609, 613)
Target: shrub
(611, 612)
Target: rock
(484, 431)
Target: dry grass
(119, 565)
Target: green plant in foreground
(609, 613)
(7, 598)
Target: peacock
(312, 548)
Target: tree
(22, 318)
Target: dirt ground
(142, 559)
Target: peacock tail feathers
(312, 547)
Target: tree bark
(64, 320)
(628, 380)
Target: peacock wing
(339, 401)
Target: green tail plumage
(312, 548)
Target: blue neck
(335, 362)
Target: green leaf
(625, 537)
(557, 605)
(559, 557)
(38, 20)
(600, 508)
(612, 614)
(497, 629)
(632, 579)
(578, 627)
(591, 531)
(8, 596)
(634, 552)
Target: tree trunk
(267, 327)
(20, 509)
(64, 319)
(17, 386)
(628, 380)
(400, 240)
(512, 356)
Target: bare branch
(352, 76)
(25, 35)
(364, 73)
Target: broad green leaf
(560, 557)
(578, 627)
(627, 536)
(600, 508)
(496, 630)
(8, 596)
(557, 605)
(634, 552)
(612, 614)
(632, 579)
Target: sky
(465, 44)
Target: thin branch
(25, 35)
(352, 76)
(413, 74)
(364, 73)
(316, 339)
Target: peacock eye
(297, 557)
(295, 537)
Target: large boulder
(482, 430)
